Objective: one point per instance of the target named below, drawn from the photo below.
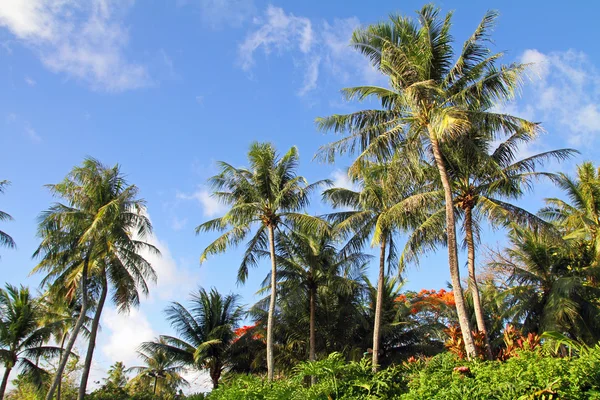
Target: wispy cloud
(323, 46)
(19, 124)
(178, 224)
(32, 134)
(30, 81)
(279, 31)
(565, 89)
(211, 207)
(222, 13)
(83, 40)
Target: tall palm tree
(307, 262)
(5, 239)
(92, 240)
(432, 98)
(484, 178)
(268, 196)
(22, 340)
(161, 369)
(387, 202)
(205, 332)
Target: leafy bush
(528, 375)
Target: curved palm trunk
(473, 286)
(4, 382)
(379, 305)
(62, 346)
(461, 310)
(270, 356)
(92, 341)
(74, 333)
(312, 334)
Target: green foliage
(336, 379)
(528, 375)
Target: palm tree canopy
(580, 217)
(268, 193)
(102, 221)
(205, 330)
(5, 239)
(22, 340)
(433, 94)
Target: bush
(529, 375)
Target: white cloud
(125, 333)
(32, 135)
(311, 76)
(84, 40)
(321, 45)
(539, 62)
(30, 81)
(277, 31)
(171, 278)
(342, 180)
(211, 207)
(565, 89)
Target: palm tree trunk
(84, 306)
(461, 310)
(379, 305)
(312, 334)
(92, 340)
(270, 356)
(4, 382)
(214, 376)
(155, 382)
(473, 286)
(313, 342)
(62, 346)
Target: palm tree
(433, 98)
(547, 284)
(205, 332)
(161, 369)
(61, 314)
(309, 261)
(269, 196)
(387, 202)
(483, 179)
(117, 376)
(22, 340)
(90, 242)
(580, 218)
(5, 239)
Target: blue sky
(166, 88)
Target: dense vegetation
(434, 164)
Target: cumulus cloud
(322, 46)
(125, 333)
(83, 40)
(211, 207)
(565, 89)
